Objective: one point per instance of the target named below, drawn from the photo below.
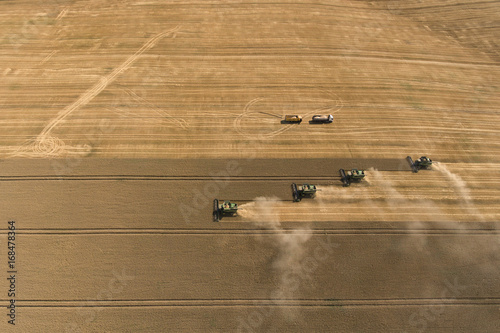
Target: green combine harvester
(422, 163)
(224, 209)
(304, 191)
(354, 175)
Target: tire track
(160, 114)
(247, 113)
(47, 145)
(104, 82)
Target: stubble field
(121, 121)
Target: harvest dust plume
(261, 211)
(388, 195)
(291, 244)
(377, 195)
(460, 187)
(417, 212)
(422, 209)
(458, 183)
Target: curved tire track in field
(47, 146)
(248, 113)
(103, 83)
(160, 114)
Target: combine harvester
(422, 163)
(304, 191)
(224, 209)
(354, 175)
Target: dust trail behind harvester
(291, 244)
(458, 183)
(460, 187)
(378, 196)
(261, 212)
(396, 202)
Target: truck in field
(325, 118)
(293, 118)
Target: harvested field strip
(350, 231)
(476, 301)
(166, 178)
(483, 189)
(129, 243)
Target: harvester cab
(354, 175)
(304, 191)
(226, 208)
(422, 163)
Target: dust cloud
(290, 243)
(420, 214)
(378, 194)
(423, 210)
(460, 187)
